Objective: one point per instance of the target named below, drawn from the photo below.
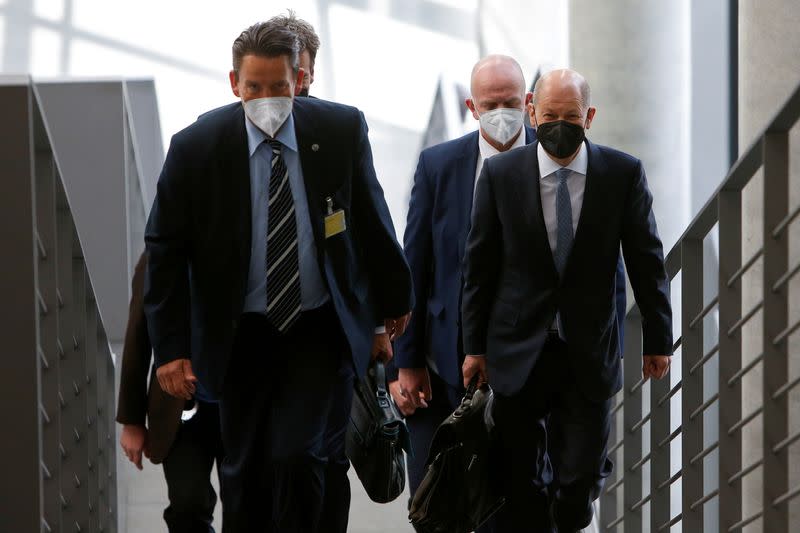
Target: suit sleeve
(387, 269)
(417, 244)
(136, 354)
(622, 300)
(481, 265)
(644, 258)
(166, 299)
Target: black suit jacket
(435, 239)
(512, 289)
(198, 235)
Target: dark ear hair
(266, 39)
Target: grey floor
(143, 496)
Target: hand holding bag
(377, 437)
(459, 492)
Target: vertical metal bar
(730, 356)
(92, 362)
(110, 443)
(103, 459)
(71, 332)
(48, 335)
(775, 315)
(21, 490)
(660, 458)
(106, 443)
(608, 499)
(64, 229)
(692, 385)
(632, 454)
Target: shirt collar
(286, 135)
(487, 150)
(547, 166)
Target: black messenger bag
(377, 437)
(458, 492)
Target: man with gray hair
(425, 379)
(539, 313)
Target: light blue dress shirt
(313, 291)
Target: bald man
(539, 308)
(427, 382)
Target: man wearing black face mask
(539, 310)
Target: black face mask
(303, 92)
(560, 138)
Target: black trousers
(187, 469)
(283, 413)
(551, 449)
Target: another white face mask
(502, 124)
(269, 113)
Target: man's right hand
(134, 442)
(402, 402)
(177, 379)
(474, 364)
(412, 390)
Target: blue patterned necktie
(564, 234)
(283, 264)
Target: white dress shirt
(486, 150)
(548, 185)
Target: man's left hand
(397, 326)
(382, 347)
(655, 366)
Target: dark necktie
(564, 233)
(283, 267)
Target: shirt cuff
(380, 330)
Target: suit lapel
(528, 177)
(239, 158)
(464, 177)
(590, 209)
(310, 148)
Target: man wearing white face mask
(427, 381)
(271, 261)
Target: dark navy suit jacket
(198, 235)
(512, 290)
(435, 238)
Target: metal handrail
(723, 210)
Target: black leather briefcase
(377, 437)
(458, 492)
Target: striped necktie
(283, 267)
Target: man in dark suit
(151, 426)
(427, 384)
(539, 312)
(272, 259)
(425, 377)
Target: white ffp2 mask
(269, 113)
(502, 124)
